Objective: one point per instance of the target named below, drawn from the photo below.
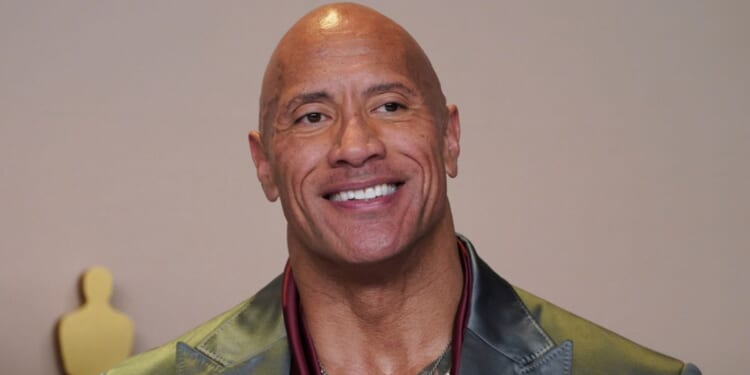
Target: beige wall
(604, 164)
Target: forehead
(335, 58)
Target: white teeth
(371, 192)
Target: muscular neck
(397, 321)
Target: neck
(396, 320)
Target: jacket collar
(501, 336)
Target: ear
(451, 139)
(262, 166)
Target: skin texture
(349, 101)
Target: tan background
(604, 165)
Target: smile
(371, 192)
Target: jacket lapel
(251, 341)
(502, 337)
(273, 360)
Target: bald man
(356, 141)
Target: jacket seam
(543, 361)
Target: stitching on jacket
(257, 353)
(563, 349)
(221, 327)
(550, 344)
(515, 358)
(194, 355)
(227, 363)
(520, 360)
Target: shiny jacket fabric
(509, 331)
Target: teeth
(371, 192)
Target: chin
(369, 250)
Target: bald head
(341, 30)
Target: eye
(310, 118)
(390, 107)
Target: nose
(356, 143)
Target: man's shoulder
(162, 360)
(597, 349)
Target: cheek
(419, 144)
(296, 158)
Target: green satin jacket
(509, 331)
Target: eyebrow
(307, 97)
(390, 86)
(315, 96)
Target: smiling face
(357, 138)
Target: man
(356, 141)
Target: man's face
(358, 150)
